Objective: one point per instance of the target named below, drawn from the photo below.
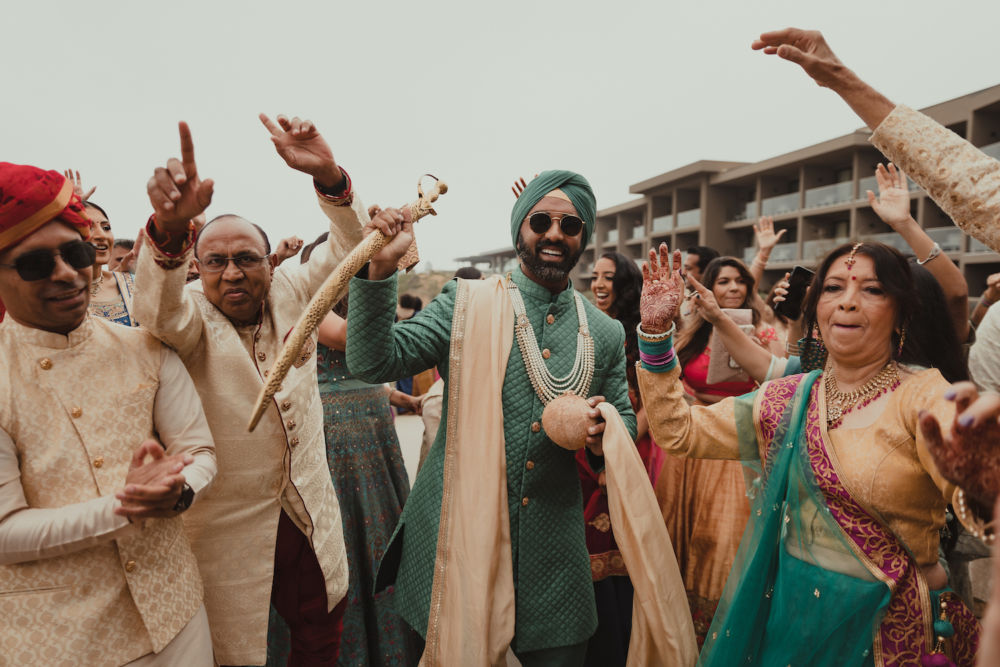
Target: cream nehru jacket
(282, 464)
(79, 585)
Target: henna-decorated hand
(662, 290)
(970, 455)
(763, 229)
(893, 201)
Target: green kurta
(554, 593)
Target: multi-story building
(817, 193)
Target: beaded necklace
(546, 386)
(95, 286)
(839, 403)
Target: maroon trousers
(299, 595)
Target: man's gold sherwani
(282, 464)
(78, 584)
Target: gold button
(46, 364)
(290, 424)
(536, 427)
(76, 412)
(130, 566)
(524, 502)
(530, 465)
(285, 405)
(265, 373)
(293, 442)
(261, 356)
(546, 354)
(550, 318)
(99, 461)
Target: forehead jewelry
(851, 258)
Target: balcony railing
(749, 212)
(949, 238)
(780, 204)
(783, 252)
(978, 246)
(828, 195)
(818, 248)
(871, 183)
(691, 218)
(993, 150)
(890, 239)
(612, 236)
(638, 231)
(664, 223)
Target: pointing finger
(187, 150)
(271, 126)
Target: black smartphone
(791, 307)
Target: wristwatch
(187, 497)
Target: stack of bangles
(656, 351)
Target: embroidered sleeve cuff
(341, 195)
(164, 259)
(656, 352)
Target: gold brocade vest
(76, 407)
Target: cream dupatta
(471, 620)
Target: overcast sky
(476, 93)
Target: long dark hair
(627, 288)
(894, 273)
(931, 333)
(696, 331)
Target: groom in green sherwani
(553, 604)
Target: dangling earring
(902, 341)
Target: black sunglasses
(39, 264)
(541, 222)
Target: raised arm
(751, 357)
(701, 432)
(892, 205)
(809, 50)
(763, 230)
(303, 148)
(178, 195)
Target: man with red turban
(94, 564)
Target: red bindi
(854, 277)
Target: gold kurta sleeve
(960, 178)
(701, 431)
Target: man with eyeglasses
(272, 515)
(506, 564)
(103, 443)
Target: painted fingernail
(966, 420)
(950, 394)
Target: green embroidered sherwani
(552, 580)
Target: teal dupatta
(817, 580)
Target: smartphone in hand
(798, 282)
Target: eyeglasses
(39, 264)
(541, 222)
(217, 264)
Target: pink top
(696, 378)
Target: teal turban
(576, 188)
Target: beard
(541, 269)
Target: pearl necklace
(95, 286)
(839, 403)
(546, 386)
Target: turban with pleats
(572, 184)
(31, 197)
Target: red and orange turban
(31, 197)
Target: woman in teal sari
(838, 564)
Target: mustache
(541, 245)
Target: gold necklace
(95, 286)
(839, 403)
(547, 386)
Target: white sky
(475, 93)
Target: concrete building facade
(817, 193)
